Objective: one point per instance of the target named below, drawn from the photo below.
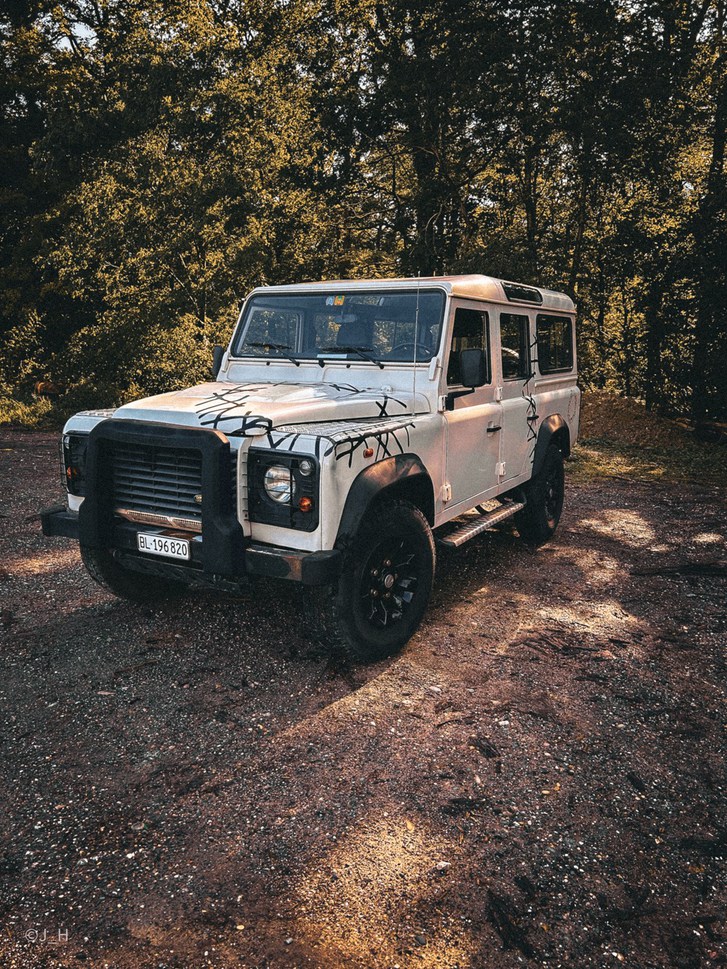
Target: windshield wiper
(280, 347)
(361, 351)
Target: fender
(553, 427)
(372, 481)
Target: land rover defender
(350, 428)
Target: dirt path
(539, 779)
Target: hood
(252, 409)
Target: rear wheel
(384, 588)
(124, 583)
(544, 493)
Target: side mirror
(472, 369)
(218, 354)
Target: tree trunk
(709, 248)
(654, 341)
(530, 200)
(580, 230)
(601, 325)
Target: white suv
(350, 426)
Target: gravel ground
(538, 779)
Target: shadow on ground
(537, 779)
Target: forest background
(159, 159)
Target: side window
(515, 346)
(470, 331)
(555, 343)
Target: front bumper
(308, 568)
(220, 554)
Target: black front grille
(159, 480)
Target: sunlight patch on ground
(44, 564)
(621, 525)
(401, 685)
(596, 567)
(589, 462)
(603, 619)
(709, 538)
(360, 904)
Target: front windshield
(361, 326)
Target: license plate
(172, 548)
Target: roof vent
(522, 294)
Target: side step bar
(480, 524)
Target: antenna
(416, 338)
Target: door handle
(491, 430)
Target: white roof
(470, 287)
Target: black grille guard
(224, 541)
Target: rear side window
(555, 343)
(470, 332)
(515, 346)
(523, 294)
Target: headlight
(279, 484)
(73, 452)
(282, 488)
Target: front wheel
(544, 493)
(384, 588)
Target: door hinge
(501, 469)
(446, 492)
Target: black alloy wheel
(384, 588)
(388, 582)
(553, 493)
(544, 496)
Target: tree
(161, 158)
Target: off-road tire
(124, 583)
(544, 493)
(348, 615)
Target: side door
(473, 423)
(519, 417)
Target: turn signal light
(306, 504)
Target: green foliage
(159, 159)
(33, 414)
(618, 438)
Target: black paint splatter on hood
(253, 409)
